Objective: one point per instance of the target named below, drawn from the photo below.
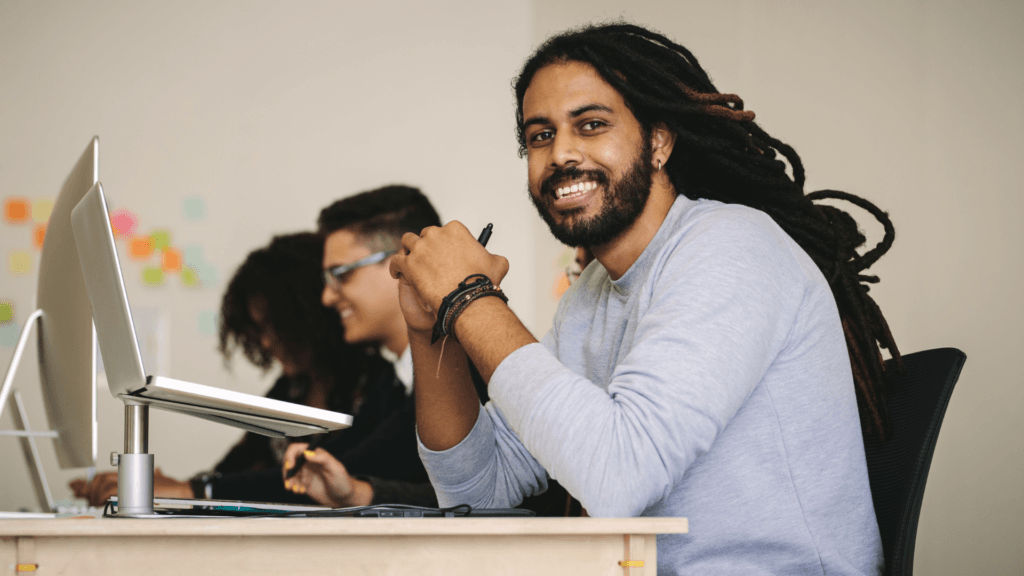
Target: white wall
(911, 105)
(269, 111)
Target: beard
(623, 201)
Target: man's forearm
(489, 331)
(447, 405)
(446, 402)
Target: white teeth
(575, 189)
(346, 313)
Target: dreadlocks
(722, 154)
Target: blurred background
(222, 124)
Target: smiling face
(590, 160)
(366, 298)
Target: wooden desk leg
(26, 556)
(633, 565)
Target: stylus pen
(302, 457)
(485, 235)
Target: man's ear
(662, 141)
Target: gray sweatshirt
(712, 382)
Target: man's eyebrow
(536, 120)
(589, 108)
(575, 113)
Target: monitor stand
(135, 466)
(20, 416)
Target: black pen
(302, 457)
(485, 235)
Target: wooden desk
(450, 546)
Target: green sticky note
(152, 276)
(161, 239)
(189, 277)
(6, 312)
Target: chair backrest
(898, 468)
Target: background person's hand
(324, 479)
(104, 485)
(98, 491)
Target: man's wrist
(474, 287)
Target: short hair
(381, 216)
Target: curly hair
(722, 154)
(282, 282)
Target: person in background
(362, 234)
(271, 312)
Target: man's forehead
(343, 247)
(562, 88)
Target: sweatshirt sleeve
(712, 315)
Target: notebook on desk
(126, 376)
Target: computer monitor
(126, 377)
(66, 339)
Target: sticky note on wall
(19, 262)
(140, 248)
(41, 210)
(16, 210)
(38, 236)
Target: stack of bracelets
(473, 287)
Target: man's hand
(436, 261)
(324, 479)
(418, 317)
(104, 485)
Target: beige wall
(271, 112)
(911, 106)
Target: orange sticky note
(140, 247)
(171, 260)
(39, 235)
(16, 210)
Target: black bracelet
(467, 288)
(464, 303)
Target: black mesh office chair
(898, 469)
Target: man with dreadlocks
(711, 361)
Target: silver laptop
(126, 376)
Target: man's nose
(329, 297)
(566, 150)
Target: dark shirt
(380, 448)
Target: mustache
(562, 175)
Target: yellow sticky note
(19, 262)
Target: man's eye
(593, 125)
(542, 135)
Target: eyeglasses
(335, 275)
